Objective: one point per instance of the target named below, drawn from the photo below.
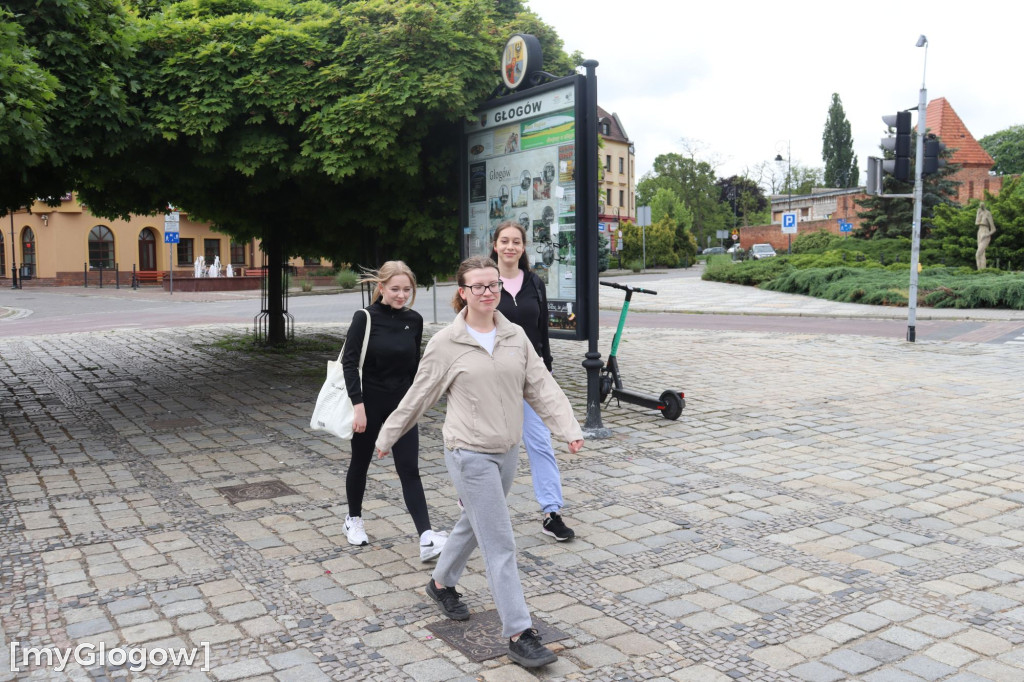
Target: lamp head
(778, 158)
(922, 41)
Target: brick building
(823, 209)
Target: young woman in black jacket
(524, 301)
(392, 356)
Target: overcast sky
(742, 79)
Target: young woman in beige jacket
(487, 366)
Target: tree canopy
(1006, 147)
(837, 148)
(693, 182)
(322, 128)
(66, 74)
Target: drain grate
(480, 639)
(263, 490)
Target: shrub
(346, 279)
(307, 285)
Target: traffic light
(899, 165)
(933, 150)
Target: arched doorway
(28, 252)
(147, 249)
(101, 247)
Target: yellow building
(63, 245)
(617, 192)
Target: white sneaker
(354, 530)
(431, 544)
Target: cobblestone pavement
(838, 508)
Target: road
(58, 310)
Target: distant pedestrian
(487, 367)
(524, 301)
(392, 356)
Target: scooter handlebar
(626, 287)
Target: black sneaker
(448, 600)
(528, 652)
(556, 528)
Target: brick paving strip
(827, 508)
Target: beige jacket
(485, 392)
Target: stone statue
(986, 228)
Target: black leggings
(405, 453)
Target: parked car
(759, 251)
(710, 251)
(734, 248)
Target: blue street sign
(171, 237)
(845, 226)
(789, 219)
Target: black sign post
(530, 155)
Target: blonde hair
(381, 276)
(471, 263)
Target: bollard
(117, 276)
(85, 274)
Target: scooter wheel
(673, 405)
(605, 386)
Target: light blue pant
(547, 481)
(482, 481)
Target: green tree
(667, 206)
(65, 78)
(1007, 148)
(694, 183)
(885, 217)
(322, 128)
(954, 239)
(837, 148)
(745, 200)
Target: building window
(101, 247)
(622, 197)
(608, 162)
(608, 197)
(186, 252)
(622, 165)
(605, 128)
(237, 253)
(310, 262)
(211, 250)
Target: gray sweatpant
(482, 481)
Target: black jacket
(529, 309)
(392, 355)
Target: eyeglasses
(478, 289)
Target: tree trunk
(274, 248)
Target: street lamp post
(789, 189)
(915, 244)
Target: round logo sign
(521, 58)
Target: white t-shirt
(485, 339)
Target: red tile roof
(944, 122)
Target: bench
(147, 277)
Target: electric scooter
(670, 403)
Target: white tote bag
(334, 412)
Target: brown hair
(524, 260)
(471, 263)
(386, 272)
